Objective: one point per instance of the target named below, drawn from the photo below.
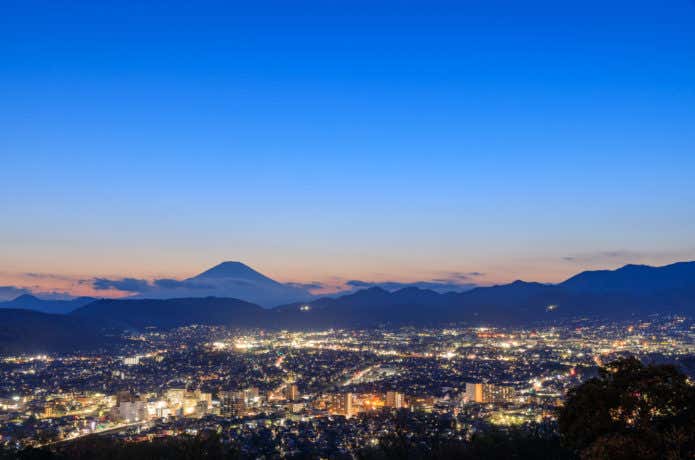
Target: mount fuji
(229, 279)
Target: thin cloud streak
(617, 257)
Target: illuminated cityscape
(291, 389)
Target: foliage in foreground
(493, 444)
(631, 411)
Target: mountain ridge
(607, 293)
(33, 303)
(611, 294)
(635, 278)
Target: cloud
(265, 294)
(438, 285)
(122, 284)
(456, 278)
(170, 283)
(50, 276)
(609, 257)
(140, 286)
(359, 284)
(311, 286)
(619, 257)
(12, 292)
(447, 282)
(451, 276)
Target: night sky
(333, 140)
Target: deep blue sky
(373, 140)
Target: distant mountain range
(630, 291)
(29, 302)
(635, 279)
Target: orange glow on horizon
(70, 282)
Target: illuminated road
(359, 375)
(116, 428)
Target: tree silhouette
(631, 411)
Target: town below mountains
(29, 324)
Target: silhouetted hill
(635, 279)
(629, 291)
(588, 294)
(167, 313)
(415, 306)
(364, 308)
(26, 331)
(30, 302)
(623, 293)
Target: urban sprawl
(281, 392)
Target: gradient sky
(335, 140)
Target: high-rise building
(474, 392)
(292, 392)
(130, 407)
(394, 399)
(485, 393)
(232, 403)
(347, 404)
(238, 403)
(342, 404)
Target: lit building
(422, 403)
(175, 397)
(485, 393)
(474, 392)
(342, 404)
(394, 399)
(130, 407)
(131, 361)
(251, 395)
(232, 404)
(292, 392)
(188, 403)
(237, 403)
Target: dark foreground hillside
(25, 331)
(493, 444)
(170, 313)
